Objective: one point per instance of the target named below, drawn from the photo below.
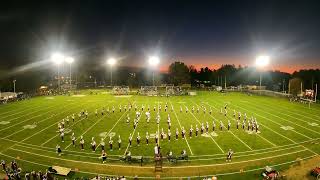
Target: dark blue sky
(203, 33)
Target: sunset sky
(200, 33)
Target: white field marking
(79, 95)
(58, 134)
(241, 140)
(313, 124)
(48, 126)
(18, 111)
(87, 130)
(210, 135)
(37, 123)
(266, 150)
(29, 114)
(20, 122)
(271, 149)
(287, 121)
(301, 134)
(112, 128)
(272, 129)
(146, 177)
(291, 121)
(29, 126)
(302, 112)
(235, 121)
(28, 109)
(228, 131)
(50, 97)
(134, 130)
(4, 122)
(193, 160)
(274, 145)
(293, 112)
(267, 126)
(181, 127)
(123, 96)
(96, 122)
(247, 155)
(278, 133)
(151, 167)
(48, 149)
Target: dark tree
(179, 73)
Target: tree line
(178, 73)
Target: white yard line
(253, 152)
(112, 127)
(221, 156)
(290, 113)
(279, 133)
(151, 167)
(134, 130)
(37, 123)
(99, 120)
(19, 112)
(233, 134)
(209, 134)
(273, 121)
(20, 122)
(274, 145)
(229, 131)
(181, 127)
(292, 122)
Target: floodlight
(57, 58)
(154, 60)
(69, 60)
(262, 60)
(111, 61)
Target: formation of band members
(194, 131)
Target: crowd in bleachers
(14, 172)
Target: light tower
(153, 62)
(111, 62)
(57, 58)
(69, 60)
(261, 62)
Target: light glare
(154, 60)
(111, 61)
(262, 61)
(57, 58)
(69, 60)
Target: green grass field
(288, 131)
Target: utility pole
(315, 97)
(225, 82)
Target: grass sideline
(289, 132)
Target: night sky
(202, 33)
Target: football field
(288, 132)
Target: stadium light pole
(69, 60)
(261, 62)
(153, 62)
(57, 58)
(111, 62)
(14, 86)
